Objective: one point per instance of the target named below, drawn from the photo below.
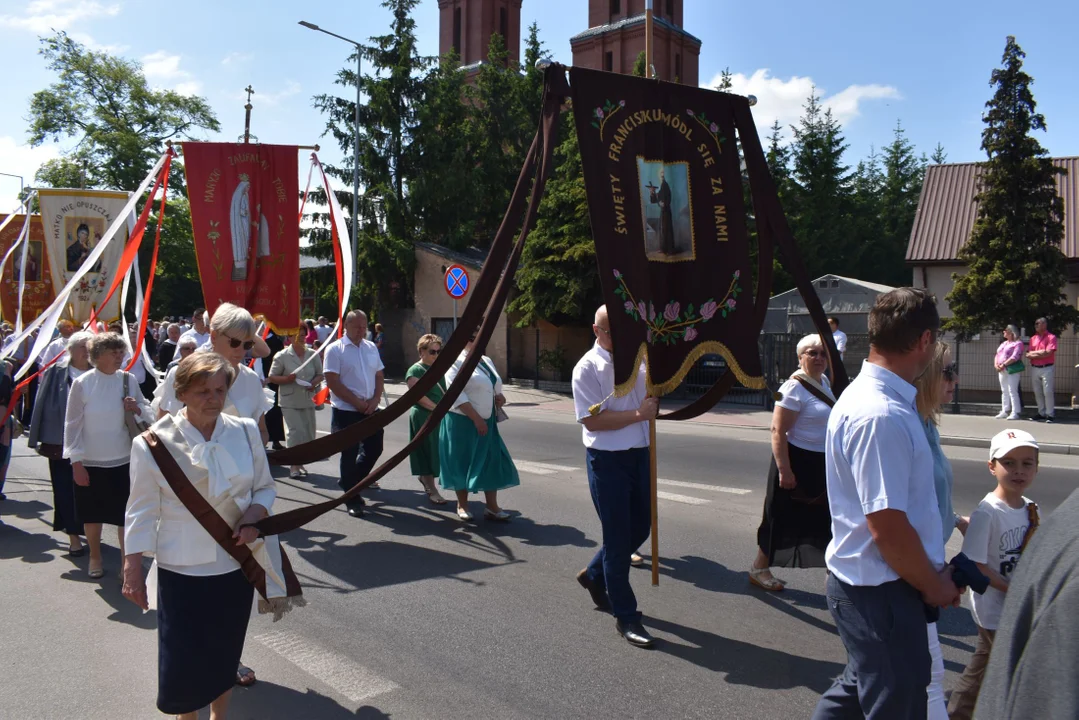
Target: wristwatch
(956, 519)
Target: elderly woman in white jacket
(97, 441)
(471, 453)
(203, 598)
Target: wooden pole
(649, 73)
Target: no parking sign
(456, 281)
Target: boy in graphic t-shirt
(999, 530)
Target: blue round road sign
(456, 281)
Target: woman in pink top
(1009, 352)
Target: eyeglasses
(604, 330)
(951, 372)
(234, 343)
(815, 354)
(433, 353)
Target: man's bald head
(601, 316)
(602, 328)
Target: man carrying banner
(615, 432)
(353, 371)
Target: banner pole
(655, 500)
(649, 70)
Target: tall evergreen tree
(939, 157)
(532, 86)
(866, 207)
(778, 157)
(898, 198)
(1017, 271)
(820, 204)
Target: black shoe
(277, 446)
(599, 595)
(635, 634)
(355, 510)
(1049, 420)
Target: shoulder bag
(815, 392)
(135, 427)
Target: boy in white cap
(999, 531)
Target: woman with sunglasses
(424, 459)
(936, 388)
(797, 525)
(296, 384)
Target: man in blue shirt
(886, 557)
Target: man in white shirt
(199, 330)
(838, 336)
(353, 371)
(66, 328)
(615, 432)
(886, 558)
(323, 330)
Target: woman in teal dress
(424, 459)
(470, 448)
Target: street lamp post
(20, 181)
(356, 143)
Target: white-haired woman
(232, 335)
(1008, 362)
(796, 527)
(47, 435)
(97, 441)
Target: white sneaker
(1013, 416)
(1001, 415)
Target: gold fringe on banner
(711, 347)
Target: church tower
(615, 37)
(468, 25)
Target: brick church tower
(468, 25)
(615, 37)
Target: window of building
(678, 68)
(616, 7)
(503, 24)
(457, 31)
(670, 9)
(608, 61)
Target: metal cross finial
(249, 92)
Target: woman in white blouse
(471, 453)
(97, 441)
(232, 335)
(796, 527)
(203, 599)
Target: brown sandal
(771, 584)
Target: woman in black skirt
(47, 435)
(796, 527)
(98, 443)
(203, 600)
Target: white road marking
(351, 680)
(537, 468)
(704, 486)
(684, 499)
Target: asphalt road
(415, 615)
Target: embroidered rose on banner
(674, 324)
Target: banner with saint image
(75, 221)
(665, 196)
(38, 291)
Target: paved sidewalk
(975, 431)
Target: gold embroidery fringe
(706, 348)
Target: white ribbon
(24, 237)
(22, 273)
(214, 458)
(48, 319)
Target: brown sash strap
(815, 392)
(1032, 517)
(213, 523)
(555, 91)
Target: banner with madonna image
(75, 221)
(665, 195)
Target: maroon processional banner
(244, 201)
(665, 195)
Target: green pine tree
(939, 157)
(640, 65)
(898, 198)
(1017, 271)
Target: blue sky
(926, 63)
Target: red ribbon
(17, 393)
(144, 317)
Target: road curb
(1052, 448)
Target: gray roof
(307, 262)
(848, 299)
(630, 22)
(473, 257)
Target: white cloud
(783, 100)
(236, 58)
(18, 158)
(163, 70)
(43, 16)
(273, 99)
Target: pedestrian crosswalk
(548, 469)
(346, 677)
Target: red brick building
(615, 37)
(468, 25)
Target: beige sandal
(771, 584)
(432, 493)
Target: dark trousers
(357, 461)
(884, 630)
(620, 485)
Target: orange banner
(39, 292)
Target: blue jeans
(620, 486)
(884, 630)
(357, 461)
